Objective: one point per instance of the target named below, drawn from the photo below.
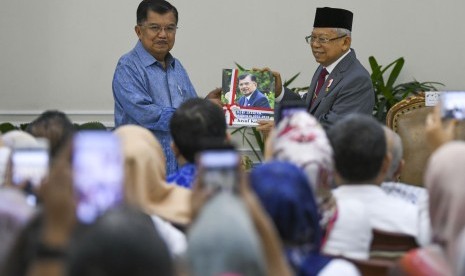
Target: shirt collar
(333, 65)
(147, 59)
(364, 188)
(248, 98)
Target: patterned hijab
(145, 175)
(301, 140)
(445, 181)
(285, 194)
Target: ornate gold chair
(407, 118)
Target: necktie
(246, 102)
(319, 84)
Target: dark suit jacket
(350, 91)
(288, 97)
(256, 100)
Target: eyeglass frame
(167, 29)
(321, 40)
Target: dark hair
(123, 241)
(194, 122)
(53, 125)
(157, 6)
(245, 75)
(359, 145)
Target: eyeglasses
(321, 40)
(170, 29)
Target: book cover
(248, 96)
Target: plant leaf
(286, 83)
(258, 138)
(239, 66)
(398, 64)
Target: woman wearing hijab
(285, 193)
(302, 141)
(444, 179)
(146, 188)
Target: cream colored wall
(62, 54)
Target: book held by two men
(248, 96)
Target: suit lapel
(253, 98)
(336, 76)
(312, 86)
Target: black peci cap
(333, 18)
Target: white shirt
(338, 267)
(352, 233)
(415, 195)
(174, 238)
(385, 212)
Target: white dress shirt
(386, 212)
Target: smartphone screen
(289, 108)
(30, 165)
(453, 105)
(97, 173)
(220, 169)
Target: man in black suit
(340, 85)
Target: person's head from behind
(53, 125)
(444, 180)
(247, 84)
(194, 123)
(331, 35)
(394, 146)
(359, 145)
(157, 22)
(122, 242)
(285, 193)
(301, 140)
(223, 239)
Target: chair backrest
(407, 118)
(390, 246)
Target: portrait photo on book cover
(248, 96)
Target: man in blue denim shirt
(149, 83)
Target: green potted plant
(387, 91)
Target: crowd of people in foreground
(309, 209)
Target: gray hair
(342, 31)
(396, 150)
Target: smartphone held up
(30, 164)
(219, 169)
(97, 173)
(30, 167)
(452, 105)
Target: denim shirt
(147, 94)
